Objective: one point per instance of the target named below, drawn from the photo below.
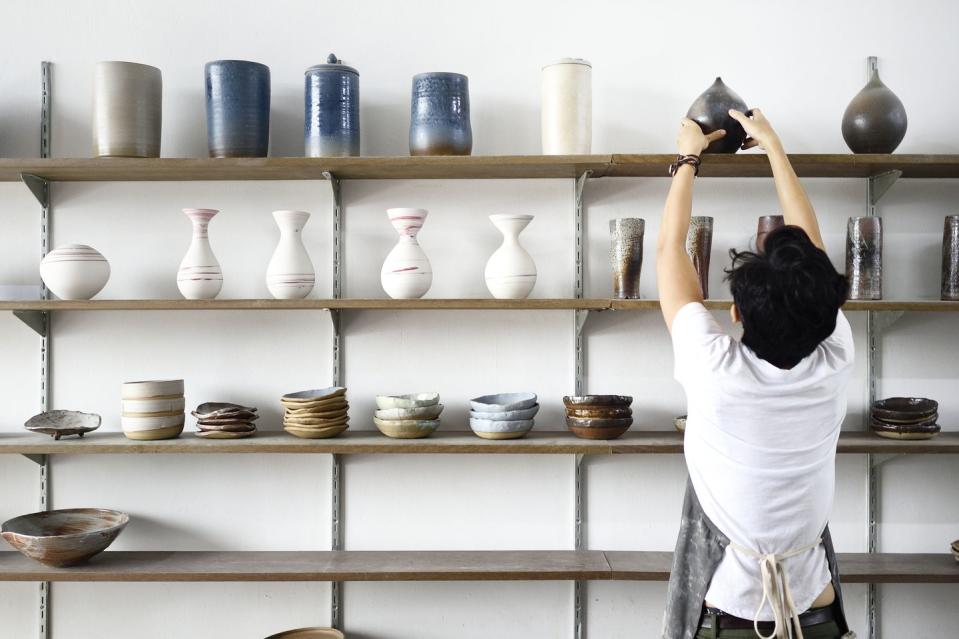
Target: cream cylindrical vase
(567, 107)
(127, 110)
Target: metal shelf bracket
(39, 186)
(39, 460)
(878, 459)
(880, 184)
(37, 320)
(581, 316)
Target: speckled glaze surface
(600, 411)
(127, 110)
(332, 107)
(63, 423)
(950, 258)
(864, 258)
(200, 276)
(875, 120)
(766, 225)
(440, 115)
(290, 273)
(699, 246)
(711, 111)
(75, 271)
(407, 272)
(626, 255)
(237, 109)
(66, 537)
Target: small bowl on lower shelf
(904, 410)
(65, 537)
(502, 402)
(508, 415)
(406, 428)
(593, 428)
(499, 429)
(309, 633)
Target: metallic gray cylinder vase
(699, 245)
(950, 258)
(864, 258)
(626, 256)
(767, 224)
(127, 110)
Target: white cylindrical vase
(567, 107)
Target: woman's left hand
(691, 139)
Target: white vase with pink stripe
(407, 273)
(290, 275)
(200, 276)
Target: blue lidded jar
(332, 101)
(440, 115)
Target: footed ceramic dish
(66, 537)
(63, 423)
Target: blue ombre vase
(440, 115)
(237, 109)
(332, 97)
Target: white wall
(800, 61)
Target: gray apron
(699, 550)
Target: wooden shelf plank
(465, 167)
(496, 565)
(371, 442)
(420, 304)
(528, 565)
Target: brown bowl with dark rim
(581, 401)
(65, 537)
(601, 412)
(904, 410)
(598, 428)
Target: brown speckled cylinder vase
(767, 224)
(950, 258)
(699, 245)
(864, 258)
(626, 256)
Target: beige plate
(315, 423)
(151, 435)
(906, 435)
(222, 434)
(313, 433)
(514, 435)
(333, 414)
(239, 427)
(309, 633)
(327, 406)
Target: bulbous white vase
(510, 271)
(290, 274)
(406, 273)
(75, 271)
(200, 276)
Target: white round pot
(75, 271)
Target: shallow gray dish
(507, 415)
(501, 402)
(66, 537)
(62, 423)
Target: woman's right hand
(759, 132)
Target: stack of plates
(905, 418)
(152, 409)
(599, 416)
(503, 416)
(408, 416)
(223, 420)
(316, 414)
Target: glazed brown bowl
(905, 431)
(580, 401)
(65, 537)
(602, 432)
(904, 410)
(604, 412)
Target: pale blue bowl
(508, 415)
(502, 402)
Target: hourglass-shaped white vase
(510, 271)
(200, 276)
(290, 275)
(406, 273)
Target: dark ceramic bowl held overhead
(711, 112)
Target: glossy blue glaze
(332, 107)
(440, 115)
(237, 108)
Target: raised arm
(676, 277)
(795, 205)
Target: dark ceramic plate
(600, 411)
(597, 400)
(912, 422)
(588, 422)
(606, 432)
(900, 409)
(64, 537)
(905, 431)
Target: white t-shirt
(760, 447)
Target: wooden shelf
(465, 167)
(420, 304)
(370, 442)
(528, 565)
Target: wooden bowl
(603, 432)
(309, 633)
(66, 537)
(572, 401)
(904, 410)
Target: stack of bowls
(152, 409)
(905, 418)
(316, 414)
(503, 416)
(223, 420)
(408, 416)
(599, 416)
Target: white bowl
(136, 424)
(414, 400)
(420, 412)
(314, 395)
(501, 402)
(153, 389)
(75, 271)
(507, 415)
(149, 407)
(506, 426)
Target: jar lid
(585, 63)
(333, 64)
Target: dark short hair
(788, 296)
